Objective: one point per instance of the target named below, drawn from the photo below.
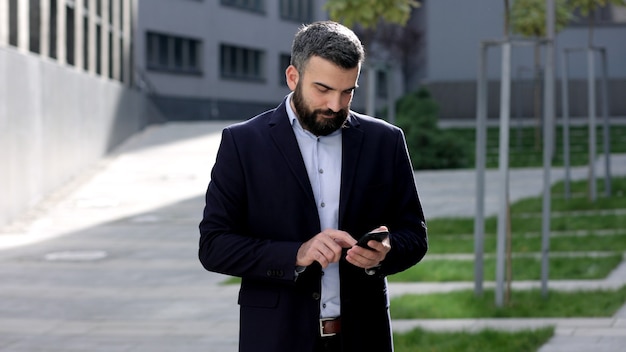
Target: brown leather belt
(330, 326)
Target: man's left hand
(366, 258)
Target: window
(172, 53)
(110, 59)
(283, 61)
(98, 28)
(69, 34)
(251, 5)
(85, 22)
(34, 24)
(609, 14)
(241, 63)
(98, 49)
(296, 10)
(13, 18)
(80, 42)
(52, 35)
(110, 10)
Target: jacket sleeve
(409, 239)
(226, 244)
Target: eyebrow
(331, 88)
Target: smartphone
(374, 235)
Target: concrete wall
(55, 122)
(457, 99)
(455, 29)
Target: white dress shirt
(322, 157)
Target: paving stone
(111, 264)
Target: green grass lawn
(602, 224)
(523, 304)
(592, 241)
(595, 230)
(482, 341)
(442, 270)
(524, 153)
(577, 225)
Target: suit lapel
(352, 139)
(282, 135)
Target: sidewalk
(109, 263)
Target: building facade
(93, 36)
(220, 59)
(66, 93)
(456, 28)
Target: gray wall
(455, 29)
(54, 123)
(457, 99)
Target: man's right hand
(324, 248)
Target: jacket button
(316, 296)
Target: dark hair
(330, 41)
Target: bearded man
(291, 192)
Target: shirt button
(324, 305)
(321, 171)
(323, 204)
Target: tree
(368, 13)
(528, 18)
(401, 45)
(375, 18)
(382, 22)
(587, 8)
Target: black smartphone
(374, 235)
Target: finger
(367, 258)
(331, 255)
(380, 229)
(342, 238)
(328, 249)
(321, 258)
(382, 247)
(313, 250)
(363, 255)
(360, 261)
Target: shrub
(430, 147)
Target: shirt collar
(292, 114)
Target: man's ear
(292, 76)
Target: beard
(311, 119)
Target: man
(291, 192)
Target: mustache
(329, 112)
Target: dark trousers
(328, 344)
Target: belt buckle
(322, 333)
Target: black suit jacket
(260, 208)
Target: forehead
(318, 70)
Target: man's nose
(335, 102)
